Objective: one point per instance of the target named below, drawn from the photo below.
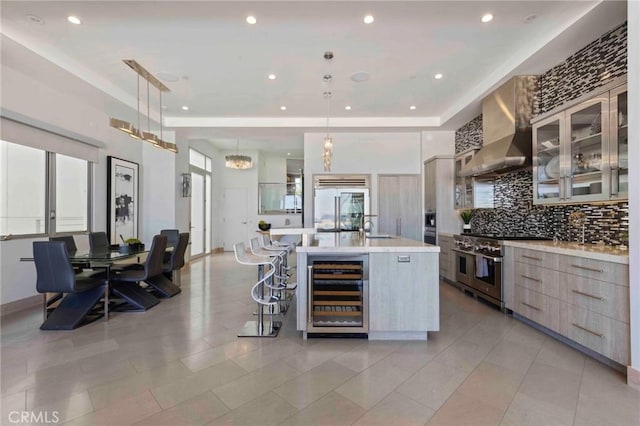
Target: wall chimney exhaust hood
(506, 129)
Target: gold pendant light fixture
(136, 132)
(237, 161)
(327, 149)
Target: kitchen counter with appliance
(589, 251)
(385, 288)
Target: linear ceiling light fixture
(137, 133)
(237, 161)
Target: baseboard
(19, 305)
(218, 250)
(633, 377)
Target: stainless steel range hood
(506, 129)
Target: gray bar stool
(259, 328)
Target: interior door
(198, 225)
(409, 215)
(235, 217)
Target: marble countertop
(447, 234)
(590, 251)
(351, 242)
(292, 231)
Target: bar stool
(280, 256)
(259, 328)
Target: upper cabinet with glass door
(463, 189)
(575, 156)
(618, 145)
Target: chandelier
(237, 161)
(327, 150)
(137, 132)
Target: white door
(235, 217)
(198, 224)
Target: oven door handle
(495, 259)
(464, 252)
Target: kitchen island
(386, 288)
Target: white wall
(633, 48)
(361, 153)
(437, 143)
(272, 168)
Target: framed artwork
(186, 184)
(122, 199)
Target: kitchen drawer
(538, 307)
(536, 257)
(542, 280)
(617, 273)
(597, 296)
(597, 332)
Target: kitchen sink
(378, 236)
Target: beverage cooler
(337, 290)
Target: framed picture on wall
(122, 199)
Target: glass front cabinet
(580, 154)
(463, 191)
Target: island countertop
(352, 242)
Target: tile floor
(182, 364)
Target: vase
(466, 227)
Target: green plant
(466, 216)
(132, 241)
(262, 222)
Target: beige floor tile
(46, 360)
(67, 409)
(528, 411)
(514, 356)
(396, 410)
(314, 384)
(433, 384)
(463, 355)
(331, 410)
(494, 385)
(209, 357)
(466, 410)
(526, 335)
(367, 354)
(13, 402)
(559, 355)
(123, 413)
(268, 354)
(177, 391)
(255, 384)
(266, 410)
(198, 410)
(319, 353)
(130, 386)
(552, 385)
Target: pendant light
(327, 150)
(237, 161)
(137, 133)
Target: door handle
(309, 300)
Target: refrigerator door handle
(336, 210)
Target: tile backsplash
(591, 67)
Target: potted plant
(264, 226)
(466, 216)
(134, 244)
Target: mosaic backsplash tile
(469, 136)
(589, 68)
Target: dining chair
(126, 283)
(165, 283)
(78, 294)
(98, 241)
(173, 235)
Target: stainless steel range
(479, 263)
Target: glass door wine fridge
(337, 294)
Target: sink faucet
(363, 229)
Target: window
(42, 192)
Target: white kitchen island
(400, 298)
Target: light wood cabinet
(585, 300)
(580, 153)
(399, 206)
(438, 198)
(447, 258)
(397, 299)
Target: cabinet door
(587, 143)
(547, 178)
(409, 223)
(398, 292)
(430, 188)
(388, 206)
(619, 142)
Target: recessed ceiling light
(74, 20)
(412, 107)
(530, 18)
(35, 19)
(368, 19)
(348, 108)
(438, 76)
(361, 76)
(288, 153)
(283, 108)
(185, 108)
(272, 76)
(487, 17)
(251, 20)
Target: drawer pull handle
(532, 307)
(587, 294)
(587, 330)
(531, 278)
(531, 257)
(586, 268)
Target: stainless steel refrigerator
(339, 209)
